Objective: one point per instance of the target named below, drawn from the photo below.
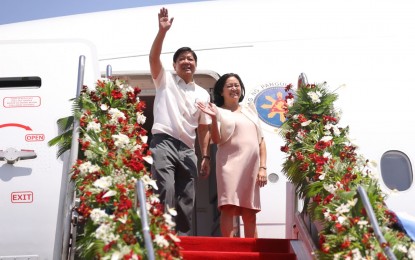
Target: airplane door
(37, 80)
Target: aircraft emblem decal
(270, 104)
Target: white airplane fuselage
(365, 47)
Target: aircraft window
(396, 170)
(20, 82)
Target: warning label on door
(24, 101)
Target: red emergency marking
(35, 137)
(22, 197)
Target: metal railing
(141, 204)
(374, 222)
(69, 215)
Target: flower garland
(326, 171)
(113, 155)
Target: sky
(13, 11)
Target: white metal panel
(30, 190)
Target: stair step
(222, 255)
(224, 244)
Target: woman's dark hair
(218, 90)
(181, 50)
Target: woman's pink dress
(237, 164)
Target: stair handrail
(375, 225)
(68, 239)
(141, 203)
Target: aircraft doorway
(206, 214)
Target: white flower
(306, 123)
(118, 83)
(153, 199)
(84, 167)
(322, 176)
(326, 138)
(169, 220)
(161, 241)
(290, 102)
(98, 216)
(148, 159)
(328, 126)
(174, 237)
(327, 155)
(104, 107)
(144, 138)
(95, 127)
(126, 250)
(341, 219)
(401, 248)
(356, 254)
(327, 214)
(172, 211)
(352, 202)
(148, 181)
(115, 115)
(104, 80)
(141, 119)
(116, 256)
(105, 233)
(343, 208)
(88, 167)
(123, 219)
(315, 96)
(330, 188)
(336, 131)
(90, 155)
(103, 182)
(109, 193)
(362, 223)
(121, 140)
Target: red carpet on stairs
(195, 248)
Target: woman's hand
(262, 177)
(209, 109)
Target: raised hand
(209, 109)
(164, 22)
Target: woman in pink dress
(241, 155)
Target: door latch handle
(11, 155)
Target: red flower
(328, 199)
(340, 228)
(321, 145)
(317, 199)
(100, 199)
(304, 167)
(116, 94)
(299, 156)
(125, 203)
(381, 256)
(285, 149)
(345, 244)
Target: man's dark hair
(218, 90)
(181, 50)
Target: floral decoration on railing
(326, 170)
(113, 156)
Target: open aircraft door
(37, 80)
